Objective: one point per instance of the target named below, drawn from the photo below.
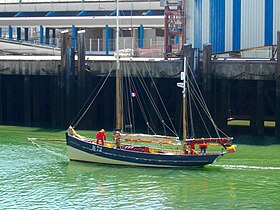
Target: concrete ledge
(245, 69)
(98, 65)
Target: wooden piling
(222, 105)
(153, 114)
(54, 98)
(260, 108)
(82, 76)
(277, 89)
(257, 110)
(64, 45)
(36, 102)
(206, 71)
(27, 101)
(70, 85)
(206, 77)
(81, 52)
(10, 95)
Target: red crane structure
(174, 27)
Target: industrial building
(229, 25)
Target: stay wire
(149, 95)
(203, 103)
(78, 121)
(141, 106)
(161, 100)
(200, 115)
(197, 99)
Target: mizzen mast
(183, 85)
(118, 75)
(183, 77)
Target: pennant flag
(133, 94)
(231, 149)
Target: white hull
(78, 155)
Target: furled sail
(147, 138)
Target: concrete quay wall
(50, 65)
(244, 69)
(239, 69)
(36, 92)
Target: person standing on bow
(100, 136)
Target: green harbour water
(39, 176)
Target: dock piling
(277, 89)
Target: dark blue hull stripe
(141, 158)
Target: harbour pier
(44, 91)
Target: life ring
(117, 135)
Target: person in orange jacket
(101, 136)
(203, 147)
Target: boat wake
(249, 167)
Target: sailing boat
(147, 152)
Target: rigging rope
(142, 109)
(130, 110)
(200, 99)
(88, 99)
(149, 95)
(50, 151)
(148, 125)
(169, 118)
(133, 86)
(200, 115)
(153, 103)
(78, 121)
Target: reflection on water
(41, 177)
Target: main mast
(183, 77)
(118, 76)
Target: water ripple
(249, 167)
(42, 178)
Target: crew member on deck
(100, 136)
(203, 147)
(192, 148)
(72, 132)
(185, 149)
(117, 138)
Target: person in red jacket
(192, 148)
(100, 136)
